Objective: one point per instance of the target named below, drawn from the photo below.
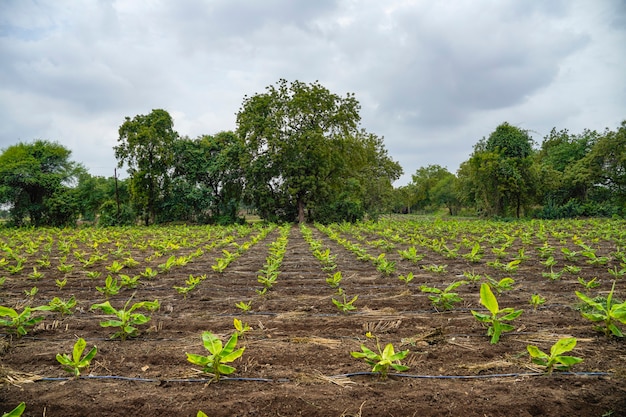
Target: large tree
(500, 176)
(207, 179)
(145, 145)
(300, 142)
(36, 180)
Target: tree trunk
(301, 216)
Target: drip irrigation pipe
(348, 375)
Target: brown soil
(300, 344)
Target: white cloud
(433, 77)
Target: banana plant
(220, 355)
(17, 411)
(19, 322)
(444, 299)
(127, 319)
(556, 359)
(607, 313)
(76, 361)
(494, 321)
(382, 360)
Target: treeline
(299, 154)
(507, 175)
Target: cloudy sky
(433, 77)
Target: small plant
(345, 306)
(76, 361)
(128, 281)
(383, 265)
(444, 299)
(93, 274)
(505, 284)
(149, 273)
(245, 307)
(169, 264)
(471, 276)
(521, 256)
(570, 255)
(572, 269)
(65, 268)
(475, 255)
(556, 359)
(115, 267)
(536, 300)
(494, 320)
(126, 318)
(35, 274)
(607, 313)
(592, 283)
(549, 263)
(617, 273)
(220, 355)
(18, 322)
(334, 280)
(32, 292)
(111, 287)
(61, 283)
(406, 278)
(438, 269)
(17, 411)
(382, 360)
(241, 327)
(552, 275)
(60, 306)
(410, 254)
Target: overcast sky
(433, 77)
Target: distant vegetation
(300, 154)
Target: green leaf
(488, 299)
(79, 347)
(198, 359)
(233, 355)
(230, 344)
(212, 343)
(105, 307)
(535, 352)
(569, 360)
(563, 345)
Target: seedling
(382, 360)
(410, 254)
(345, 306)
(61, 283)
(245, 307)
(552, 275)
(570, 255)
(606, 312)
(169, 264)
(556, 359)
(93, 274)
(592, 283)
(76, 361)
(65, 268)
(215, 363)
(127, 319)
(572, 269)
(128, 281)
(111, 287)
(18, 322)
(334, 280)
(406, 278)
(617, 273)
(241, 327)
(444, 299)
(536, 300)
(115, 267)
(549, 263)
(475, 255)
(438, 269)
(36, 274)
(471, 276)
(17, 411)
(383, 265)
(60, 306)
(505, 284)
(32, 292)
(148, 273)
(495, 320)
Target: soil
(297, 356)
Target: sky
(432, 77)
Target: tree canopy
(301, 141)
(35, 181)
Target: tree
(423, 185)
(299, 142)
(146, 145)
(35, 181)
(207, 179)
(500, 176)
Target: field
(297, 358)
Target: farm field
(297, 358)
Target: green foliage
(556, 359)
(411, 254)
(383, 359)
(334, 280)
(145, 145)
(536, 300)
(444, 299)
(406, 278)
(111, 287)
(304, 149)
(592, 283)
(60, 306)
(33, 178)
(240, 327)
(220, 355)
(497, 316)
(245, 307)
(76, 361)
(607, 313)
(18, 322)
(346, 305)
(127, 319)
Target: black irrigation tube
(348, 375)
